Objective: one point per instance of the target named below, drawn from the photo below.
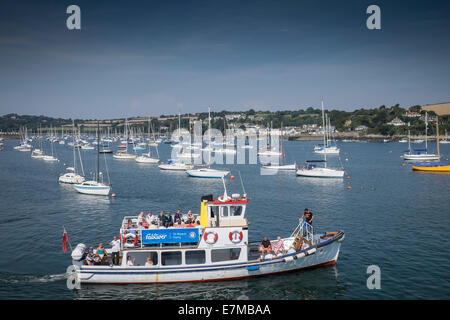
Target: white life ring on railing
(208, 239)
(236, 236)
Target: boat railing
(304, 230)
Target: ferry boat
(218, 248)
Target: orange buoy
(232, 178)
(348, 177)
(349, 187)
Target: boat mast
(98, 149)
(426, 132)
(437, 135)
(209, 136)
(409, 138)
(323, 126)
(282, 140)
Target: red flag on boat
(65, 239)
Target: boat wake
(20, 279)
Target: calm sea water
(400, 221)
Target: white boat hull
(124, 156)
(320, 173)
(99, 190)
(325, 254)
(143, 159)
(207, 173)
(71, 178)
(420, 157)
(284, 167)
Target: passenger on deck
(149, 262)
(278, 247)
(190, 217)
(161, 218)
(308, 215)
(153, 225)
(178, 215)
(141, 218)
(179, 223)
(100, 251)
(149, 217)
(265, 247)
(89, 259)
(115, 250)
(168, 219)
(97, 260)
(129, 262)
(189, 224)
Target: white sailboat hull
(93, 188)
(320, 173)
(207, 173)
(71, 178)
(420, 157)
(146, 159)
(124, 156)
(283, 167)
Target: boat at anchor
(218, 248)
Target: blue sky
(139, 58)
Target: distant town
(302, 124)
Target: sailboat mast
(98, 149)
(282, 141)
(437, 135)
(209, 135)
(426, 132)
(323, 124)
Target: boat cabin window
(140, 258)
(171, 258)
(236, 210)
(223, 211)
(195, 257)
(219, 255)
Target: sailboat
(419, 155)
(95, 187)
(282, 166)
(71, 176)
(431, 166)
(207, 172)
(50, 158)
(38, 153)
(267, 151)
(123, 154)
(146, 157)
(327, 147)
(310, 168)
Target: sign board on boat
(152, 236)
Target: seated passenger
(130, 263)
(153, 225)
(97, 260)
(179, 223)
(89, 259)
(178, 215)
(100, 251)
(149, 217)
(278, 246)
(265, 247)
(149, 262)
(145, 224)
(162, 218)
(190, 217)
(140, 218)
(168, 219)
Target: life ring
(208, 240)
(235, 236)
